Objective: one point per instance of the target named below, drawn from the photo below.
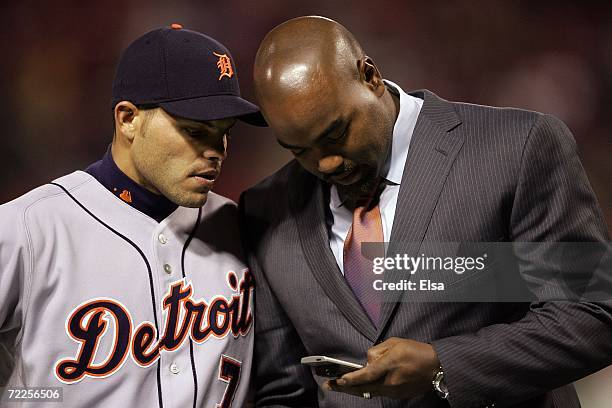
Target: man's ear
(369, 73)
(128, 119)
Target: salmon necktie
(366, 228)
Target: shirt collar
(409, 108)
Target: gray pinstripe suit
(473, 173)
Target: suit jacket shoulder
(270, 197)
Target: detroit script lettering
(89, 322)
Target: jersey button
(167, 269)
(174, 368)
(162, 238)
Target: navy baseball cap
(186, 73)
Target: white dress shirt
(342, 218)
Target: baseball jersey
(120, 310)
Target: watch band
(439, 385)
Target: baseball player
(124, 285)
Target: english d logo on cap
(225, 66)
(186, 73)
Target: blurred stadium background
(551, 56)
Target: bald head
(305, 55)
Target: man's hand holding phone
(396, 368)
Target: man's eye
(192, 132)
(338, 137)
(297, 152)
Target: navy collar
(110, 176)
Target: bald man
(374, 163)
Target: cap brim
(215, 107)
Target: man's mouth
(206, 178)
(346, 177)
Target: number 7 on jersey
(229, 372)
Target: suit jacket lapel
(432, 152)
(307, 200)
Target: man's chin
(360, 187)
(191, 200)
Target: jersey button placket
(164, 247)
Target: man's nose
(330, 164)
(215, 154)
(216, 151)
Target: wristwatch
(439, 385)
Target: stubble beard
(159, 178)
(182, 197)
(357, 192)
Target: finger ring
(367, 395)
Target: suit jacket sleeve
(554, 343)
(280, 380)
